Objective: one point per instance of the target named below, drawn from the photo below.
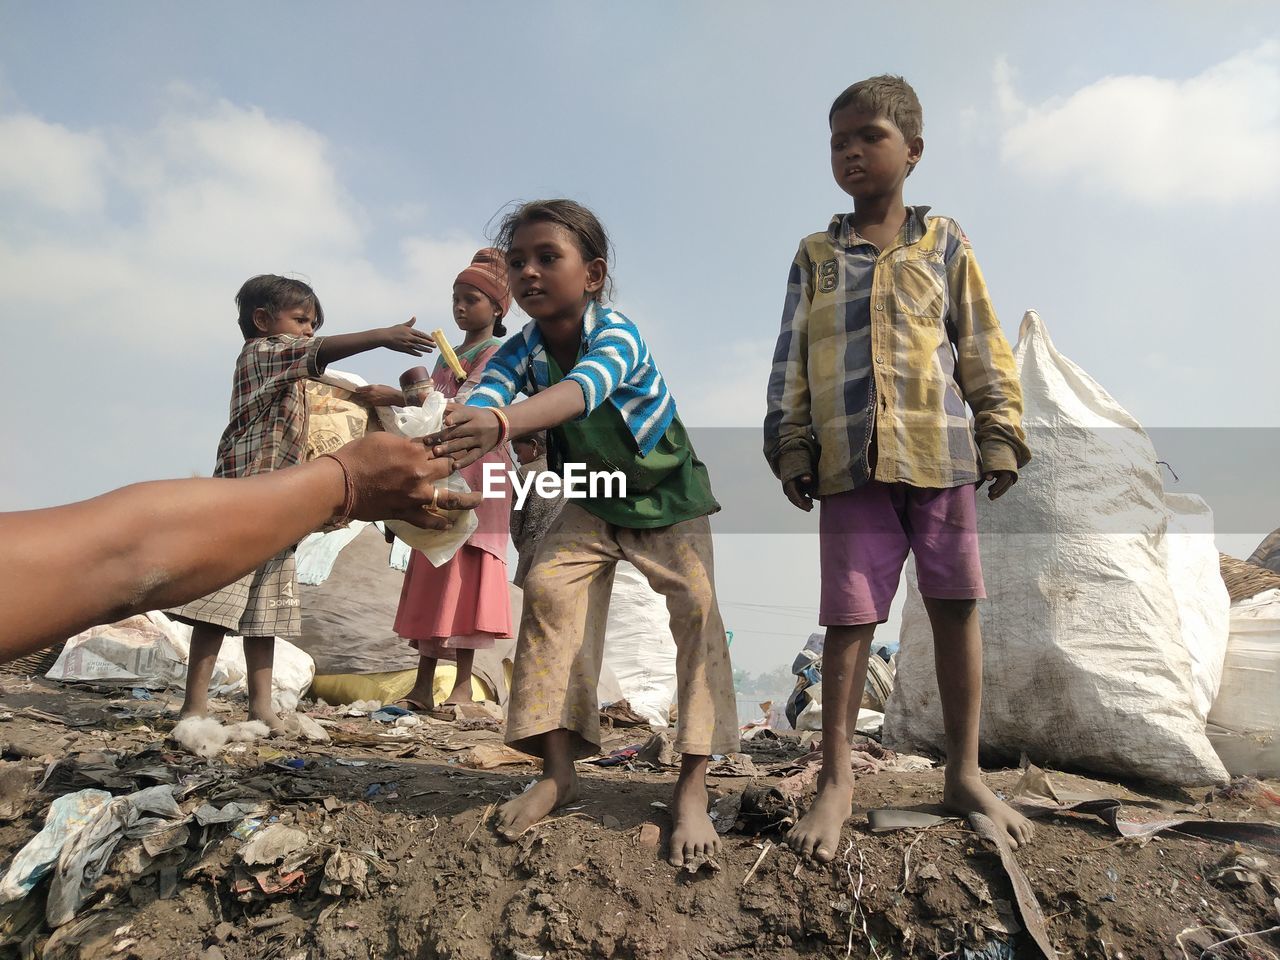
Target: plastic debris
(67, 816)
(273, 844)
(301, 725)
(345, 874)
(85, 855)
(724, 812)
(237, 810)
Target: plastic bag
(438, 546)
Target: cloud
(168, 221)
(49, 166)
(1213, 137)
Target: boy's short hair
(273, 294)
(888, 96)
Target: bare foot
(817, 835)
(968, 794)
(518, 815)
(268, 716)
(693, 834)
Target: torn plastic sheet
(85, 856)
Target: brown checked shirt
(268, 427)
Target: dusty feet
(518, 815)
(967, 794)
(264, 713)
(817, 835)
(693, 834)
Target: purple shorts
(864, 537)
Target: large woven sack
(1085, 665)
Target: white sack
(1084, 661)
(1245, 720)
(638, 646)
(150, 650)
(1204, 606)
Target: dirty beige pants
(561, 644)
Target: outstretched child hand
(1000, 480)
(798, 491)
(402, 338)
(469, 433)
(378, 395)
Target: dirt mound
(397, 858)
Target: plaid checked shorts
(263, 603)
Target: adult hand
(1000, 480)
(395, 478)
(378, 395)
(469, 433)
(798, 491)
(402, 338)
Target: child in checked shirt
(278, 317)
(887, 334)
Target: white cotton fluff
(247, 730)
(206, 737)
(203, 736)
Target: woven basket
(34, 664)
(1245, 579)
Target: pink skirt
(462, 605)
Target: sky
(1116, 166)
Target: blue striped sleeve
(503, 376)
(614, 355)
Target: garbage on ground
(1087, 602)
(659, 750)
(345, 874)
(85, 855)
(488, 756)
(804, 705)
(16, 783)
(68, 815)
(273, 844)
(621, 714)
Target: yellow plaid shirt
(894, 342)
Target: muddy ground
(400, 860)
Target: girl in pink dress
(450, 612)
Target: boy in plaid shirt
(278, 317)
(888, 339)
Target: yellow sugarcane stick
(447, 354)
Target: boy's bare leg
(206, 641)
(693, 834)
(844, 674)
(957, 652)
(461, 692)
(259, 655)
(557, 786)
(423, 686)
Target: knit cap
(488, 274)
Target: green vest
(667, 485)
